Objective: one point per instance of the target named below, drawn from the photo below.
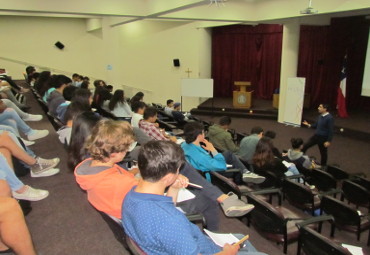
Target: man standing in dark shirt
(323, 134)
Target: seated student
(39, 167)
(148, 213)
(138, 97)
(73, 110)
(68, 94)
(118, 105)
(14, 234)
(271, 134)
(82, 96)
(138, 109)
(248, 144)
(15, 87)
(43, 83)
(296, 155)
(264, 160)
(56, 97)
(198, 156)
(19, 190)
(150, 127)
(6, 93)
(76, 80)
(25, 116)
(93, 177)
(169, 107)
(101, 94)
(10, 118)
(220, 137)
(178, 115)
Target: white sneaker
(33, 117)
(37, 134)
(253, 178)
(31, 194)
(27, 143)
(42, 165)
(50, 172)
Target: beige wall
(141, 53)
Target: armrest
(315, 220)
(264, 191)
(330, 192)
(232, 170)
(296, 176)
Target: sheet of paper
(221, 239)
(180, 140)
(353, 249)
(184, 195)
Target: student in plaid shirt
(148, 125)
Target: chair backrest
(265, 217)
(225, 184)
(342, 213)
(271, 181)
(362, 181)
(323, 180)
(298, 194)
(313, 243)
(116, 228)
(337, 173)
(355, 193)
(134, 248)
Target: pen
(195, 185)
(242, 240)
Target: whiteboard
(294, 101)
(197, 87)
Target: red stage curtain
(246, 53)
(321, 53)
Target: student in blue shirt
(152, 220)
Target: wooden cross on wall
(188, 72)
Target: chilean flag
(341, 97)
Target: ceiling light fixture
(217, 2)
(309, 9)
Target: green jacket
(221, 139)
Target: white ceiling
(232, 12)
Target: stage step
(241, 113)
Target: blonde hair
(108, 137)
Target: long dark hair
(82, 96)
(263, 154)
(118, 97)
(81, 130)
(42, 83)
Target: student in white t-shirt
(138, 109)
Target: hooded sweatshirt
(221, 139)
(106, 187)
(299, 159)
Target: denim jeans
(10, 118)
(13, 106)
(6, 173)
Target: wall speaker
(59, 45)
(176, 62)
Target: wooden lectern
(242, 98)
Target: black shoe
(25, 108)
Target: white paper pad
(355, 250)
(184, 195)
(221, 239)
(180, 140)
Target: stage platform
(357, 126)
